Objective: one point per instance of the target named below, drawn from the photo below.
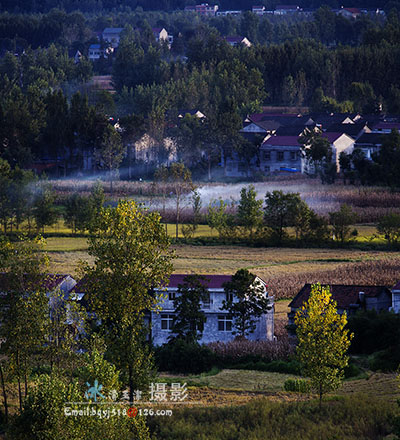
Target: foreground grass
(341, 418)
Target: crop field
(284, 269)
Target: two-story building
(281, 153)
(219, 325)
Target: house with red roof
(349, 12)
(218, 325)
(281, 153)
(349, 298)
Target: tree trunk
(209, 167)
(130, 380)
(177, 216)
(19, 383)
(3, 386)
(320, 396)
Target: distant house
(353, 130)
(225, 13)
(324, 120)
(203, 9)
(286, 9)
(340, 142)
(192, 112)
(237, 41)
(349, 12)
(385, 127)
(96, 52)
(258, 10)
(112, 36)
(50, 283)
(349, 298)
(160, 34)
(281, 153)
(370, 143)
(218, 325)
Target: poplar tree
(131, 261)
(323, 340)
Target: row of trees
(29, 204)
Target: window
(207, 302)
(267, 155)
(281, 156)
(167, 322)
(225, 323)
(267, 169)
(293, 155)
(229, 296)
(171, 296)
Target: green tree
(44, 209)
(389, 226)
(76, 212)
(323, 340)
(246, 301)
(317, 150)
(189, 320)
(189, 230)
(111, 153)
(181, 180)
(24, 308)
(221, 218)
(280, 211)
(250, 213)
(341, 221)
(131, 258)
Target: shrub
(352, 371)
(386, 360)
(184, 357)
(297, 385)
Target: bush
(386, 360)
(352, 371)
(184, 357)
(297, 385)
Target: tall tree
(181, 179)
(190, 319)
(246, 301)
(250, 214)
(110, 154)
(280, 211)
(131, 258)
(341, 221)
(323, 340)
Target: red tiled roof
(397, 286)
(257, 117)
(48, 282)
(344, 295)
(283, 141)
(215, 281)
(332, 137)
(353, 10)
